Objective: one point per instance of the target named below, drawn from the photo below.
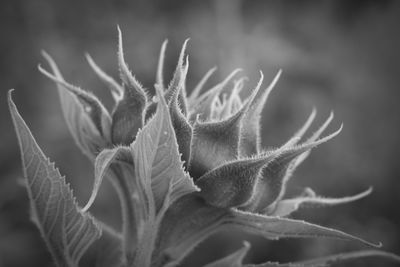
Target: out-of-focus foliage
(335, 55)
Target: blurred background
(335, 55)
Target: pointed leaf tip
(202, 104)
(274, 177)
(90, 103)
(116, 89)
(157, 160)
(199, 87)
(66, 230)
(299, 134)
(101, 166)
(160, 66)
(276, 227)
(126, 75)
(250, 143)
(287, 206)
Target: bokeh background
(335, 55)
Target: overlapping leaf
(286, 206)
(157, 161)
(67, 231)
(86, 118)
(191, 220)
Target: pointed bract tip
(44, 53)
(274, 80)
(183, 50)
(9, 95)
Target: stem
(146, 244)
(129, 229)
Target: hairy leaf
(128, 115)
(250, 133)
(183, 129)
(292, 142)
(232, 184)
(201, 108)
(188, 221)
(299, 133)
(272, 178)
(86, 123)
(116, 89)
(157, 161)
(215, 142)
(160, 66)
(287, 206)
(275, 227)
(67, 231)
(101, 166)
(197, 89)
(91, 104)
(179, 80)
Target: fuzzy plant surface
(184, 167)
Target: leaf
(116, 89)
(222, 109)
(292, 142)
(84, 132)
(272, 178)
(333, 259)
(157, 160)
(183, 129)
(287, 206)
(91, 104)
(275, 227)
(179, 80)
(101, 166)
(233, 260)
(232, 184)
(67, 231)
(128, 115)
(299, 134)
(215, 142)
(201, 107)
(126, 76)
(160, 66)
(188, 222)
(197, 89)
(250, 134)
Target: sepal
(128, 114)
(272, 178)
(232, 184)
(285, 207)
(86, 118)
(250, 143)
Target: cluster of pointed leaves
(184, 168)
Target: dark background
(335, 55)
